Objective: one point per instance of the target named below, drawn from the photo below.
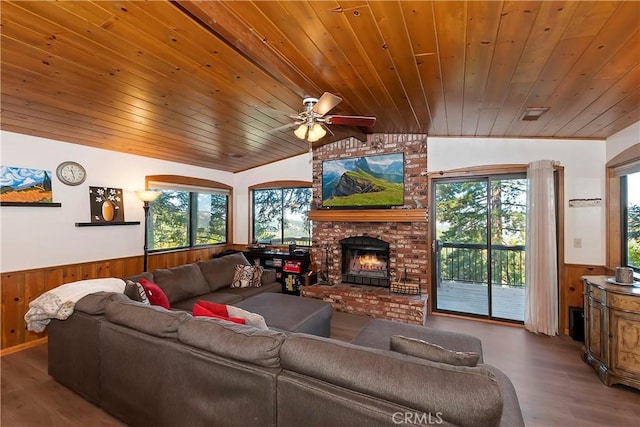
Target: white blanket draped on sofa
(58, 303)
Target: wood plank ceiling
(180, 80)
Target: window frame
(273, 185)
(615, 205)
(192, 185)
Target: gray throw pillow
(135, 292)
(433, 352)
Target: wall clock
(71, 173)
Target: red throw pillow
(218, 309)
(155, 294)
(199, 310)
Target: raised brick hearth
(371, 301)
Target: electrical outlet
(577, 243)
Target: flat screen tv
(372, 182)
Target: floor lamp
(146, 197)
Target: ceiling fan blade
(360, 121)
(327, 129)
(283, 127)
(326, 102)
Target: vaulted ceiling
(181, 80)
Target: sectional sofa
(209, 280)
(150, 366)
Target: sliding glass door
(479, 248)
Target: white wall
(32, 237)
(297, 168)
(622, 140)
(584, 178)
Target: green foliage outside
(461, 215)
(281, 216)
(170, 213)
(169, 226)
(633, 236)
(389, 193)
(211, 219)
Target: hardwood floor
(31, 398)
(554, 386)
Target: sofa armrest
(378, 332)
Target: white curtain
(541, 296)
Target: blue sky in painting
(19, 178)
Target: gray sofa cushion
(240, 342)
(426, 350)
(464, 396)
(291, 313)
(218, 272)
(182, 282)
(150, 319)
(97, 303)
(378, 332)
(268, 277)
(253, 290)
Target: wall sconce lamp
(146, 197)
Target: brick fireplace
(403, 229)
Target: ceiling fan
(312, 122)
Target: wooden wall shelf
(98, 224)
(369, 215)
(33, 205)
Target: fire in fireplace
(365, 261)
(368, 263)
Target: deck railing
(467, 262)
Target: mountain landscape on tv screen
(363, 181)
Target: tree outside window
(182, 219)
(281, 216)
(631, 220)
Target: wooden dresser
(612, 331)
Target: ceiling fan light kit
(311, 122)
(310, 132)
(301, 132)
(316, 132)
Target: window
(281, 215)
(187, 215)
(623, 216)
(630, 204)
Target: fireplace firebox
(365, 261)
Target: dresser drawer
(597, 294)
(624, 302)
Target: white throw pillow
(247, 275)
(252, 319)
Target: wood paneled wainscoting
(19, 288)
(571, 287)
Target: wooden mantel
(369, 215)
